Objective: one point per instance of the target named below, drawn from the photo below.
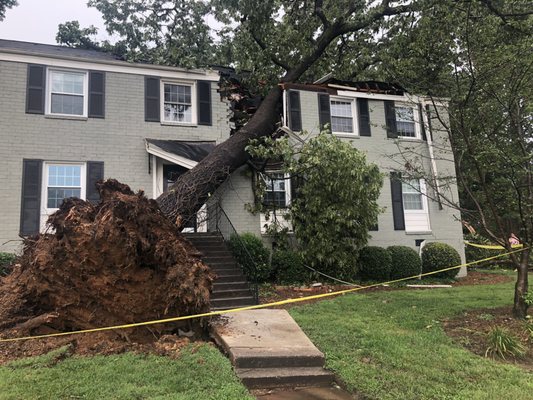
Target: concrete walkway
(268, 349)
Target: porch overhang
(184, 153)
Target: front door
(171, 173)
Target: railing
(219, 221)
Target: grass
(199, 373)
(390, 345)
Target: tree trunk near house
(521, 287)
(192, 189)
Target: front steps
(230, 289)
(269, 350)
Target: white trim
(48, 99)
(355, 116)
(365, 95)
(109, 66)
(194, 108)
(173, 158)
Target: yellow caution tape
(492, 247)
(254, 307)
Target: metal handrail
(219, 213)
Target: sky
(37, 20)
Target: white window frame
(45, 211)
(425, 208)
(194, 107)
(48, 101)
(287, 187)
(416, 118)
(355, 119)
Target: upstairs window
(178, 103)
(405, 121)
(342, 116)
(67, 93)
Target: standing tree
(4, 5)
(486, 69)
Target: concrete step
(236, 278)
(212, 247)
(232, 302)
(224, 294)
(208, 259)
(227, 271)
(281, 377)
(223, 264)
(217, 285)
(249, 358)
(217, 254)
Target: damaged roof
(195, 151)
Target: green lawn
(390, 345)
(199, 373)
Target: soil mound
(116, 262)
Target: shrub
(251, 254)
(437, 256)
(288, 267)
(6, 259)
(375, 263)
(502, 343)
(404, 262)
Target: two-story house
(69, 117)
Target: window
(179, 103)
(342, 115)
(62, 181)
(415, 206)
(405, 121)
(277, 191)
(67, 93)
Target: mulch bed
(471, 328)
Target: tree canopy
(4, 6)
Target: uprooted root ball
(116, 262)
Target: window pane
(339, 124)
(178, 113)
(57, 195)
(67, 82)
(67, 104)
(406, 129)
(275, 194)
(64, 175)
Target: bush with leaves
(374, 263)
(288, 267)
(253, 256)
(405, 262)
(6, 259)
(503, 344)
(335, 202)
(436, 256)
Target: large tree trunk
(185, 197)
(520, 306)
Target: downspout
(427, 124)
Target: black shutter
(364, 117)
(422, 125)
(397, 201)
(35, 89)
(152, 105)
(390, 119)
(324, 114)
(204, 103)
(95, 173)
(295, 111)
(30, 210)
(96, 94)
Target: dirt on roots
(116, 262)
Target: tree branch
(264, 47)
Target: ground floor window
(277, 193)
(415, 206)
(61, 181)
